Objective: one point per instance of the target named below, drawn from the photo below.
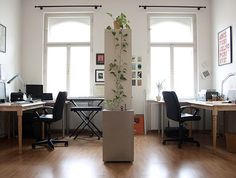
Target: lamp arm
(223, 81)
(13, 78)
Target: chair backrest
(59, 105)
(172, 105)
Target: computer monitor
(2, 91)
(35, 90)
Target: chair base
(181, 141)
(50, 143)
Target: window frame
(172, 45)
(68, 45)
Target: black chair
(48, 118)
(177, 113)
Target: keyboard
(21, 102)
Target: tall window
(172, 54)
(67, 53)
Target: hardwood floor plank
(83, 158)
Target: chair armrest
(196, 110)
(36, 114)
(46, 108)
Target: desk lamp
(14, 77)
(11, 80)
(223, 81)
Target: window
(172, 54)
(67, 53)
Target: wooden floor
(83, 159)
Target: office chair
(47, 118)
(176, 112)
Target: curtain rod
(95, 6)
(193, 7)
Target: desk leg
(19, 116)
(214, 128)
(162, 120)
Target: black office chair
(56, 114)
(176, 112)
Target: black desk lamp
(13, 78)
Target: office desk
(19, 108)
(86, 114)
(215, 107)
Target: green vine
(118, 68)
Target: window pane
(56, 70)
(69, 29)
(160, 68)
(184, 72)
(171, 29)
(80, 71)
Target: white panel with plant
(118, 67)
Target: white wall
(10, 16)
(33, 35)
(223, 15)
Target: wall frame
(2, 38)
(225, 46)
(100, 59)
(99, 75)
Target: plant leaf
(108, 27)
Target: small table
(86, 114)
(19, 108)
(215, 107)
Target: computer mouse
(31, 101)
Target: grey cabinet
(118, 136)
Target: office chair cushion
(189, 117)
(44, 118)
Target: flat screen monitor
(2, 91)
(36, 91)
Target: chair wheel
(66, 144)
(50, 148)
(198, 144)
(163, 142)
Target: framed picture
(225, 46)
(100, 59)
(133, 82)
(99, 75)
(2, 38)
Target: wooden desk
(215, 107)
(19, 108)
